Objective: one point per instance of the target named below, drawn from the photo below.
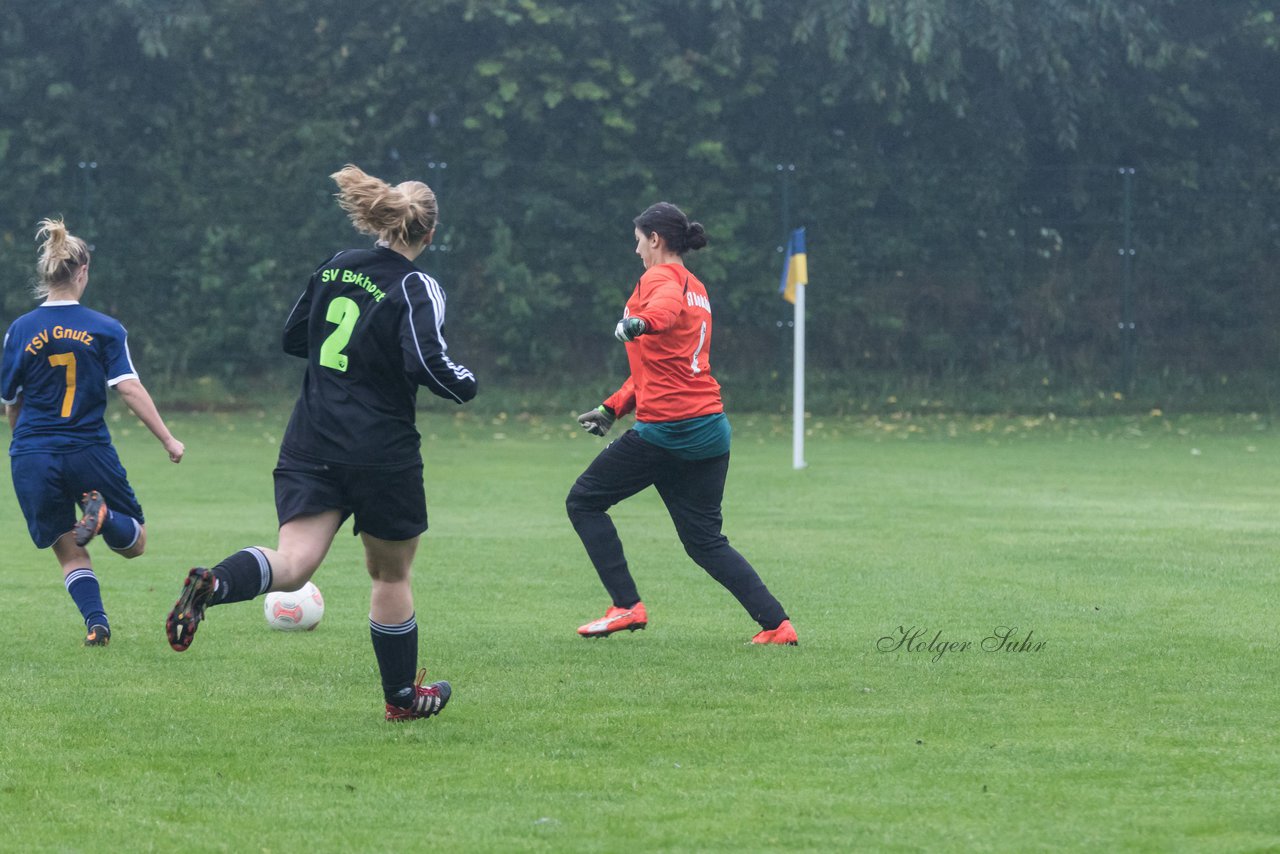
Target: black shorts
(389, 504)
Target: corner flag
(795, 279)
(795, 270)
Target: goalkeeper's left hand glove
(597, 421)
(629, 329)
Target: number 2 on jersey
(344, 312)
(68, 361)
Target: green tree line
(958, 166)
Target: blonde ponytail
(62, 254)
(403, 214)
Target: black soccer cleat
(188, 611)
(95, 513)
(99, 635)
(427, 700)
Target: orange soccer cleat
(616, 620)
(783, 634)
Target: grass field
(1132, 562)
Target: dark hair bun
(667, 220)
(696, 236)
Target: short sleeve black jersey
(369, 325)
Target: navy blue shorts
(50, 485)
(390, 504)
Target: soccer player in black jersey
(368, 325)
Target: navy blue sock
(82, 584)
(242, 576)
(396, 648)
(120, 530)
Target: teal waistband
(692, 439)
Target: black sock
(396, 648)
(242, 576)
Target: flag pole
(792, 287)
(797, 392)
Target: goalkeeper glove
(597, 421)
(629, 329)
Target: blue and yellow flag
(795, 270)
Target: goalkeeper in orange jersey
(680, 441)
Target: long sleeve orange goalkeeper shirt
(671, 363)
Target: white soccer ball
(298, 611)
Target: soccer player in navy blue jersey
(369, 325)
(59, 361)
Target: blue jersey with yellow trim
(61, 358)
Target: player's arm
(136, 397)
(659, 307)
(422, 343)
(10, 384)
(623, 400)
(122, 376)
(295, 338)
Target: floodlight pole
(436, 169)
(783, 250)
(1126, 303)
(86, 169)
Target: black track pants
(692, 491)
